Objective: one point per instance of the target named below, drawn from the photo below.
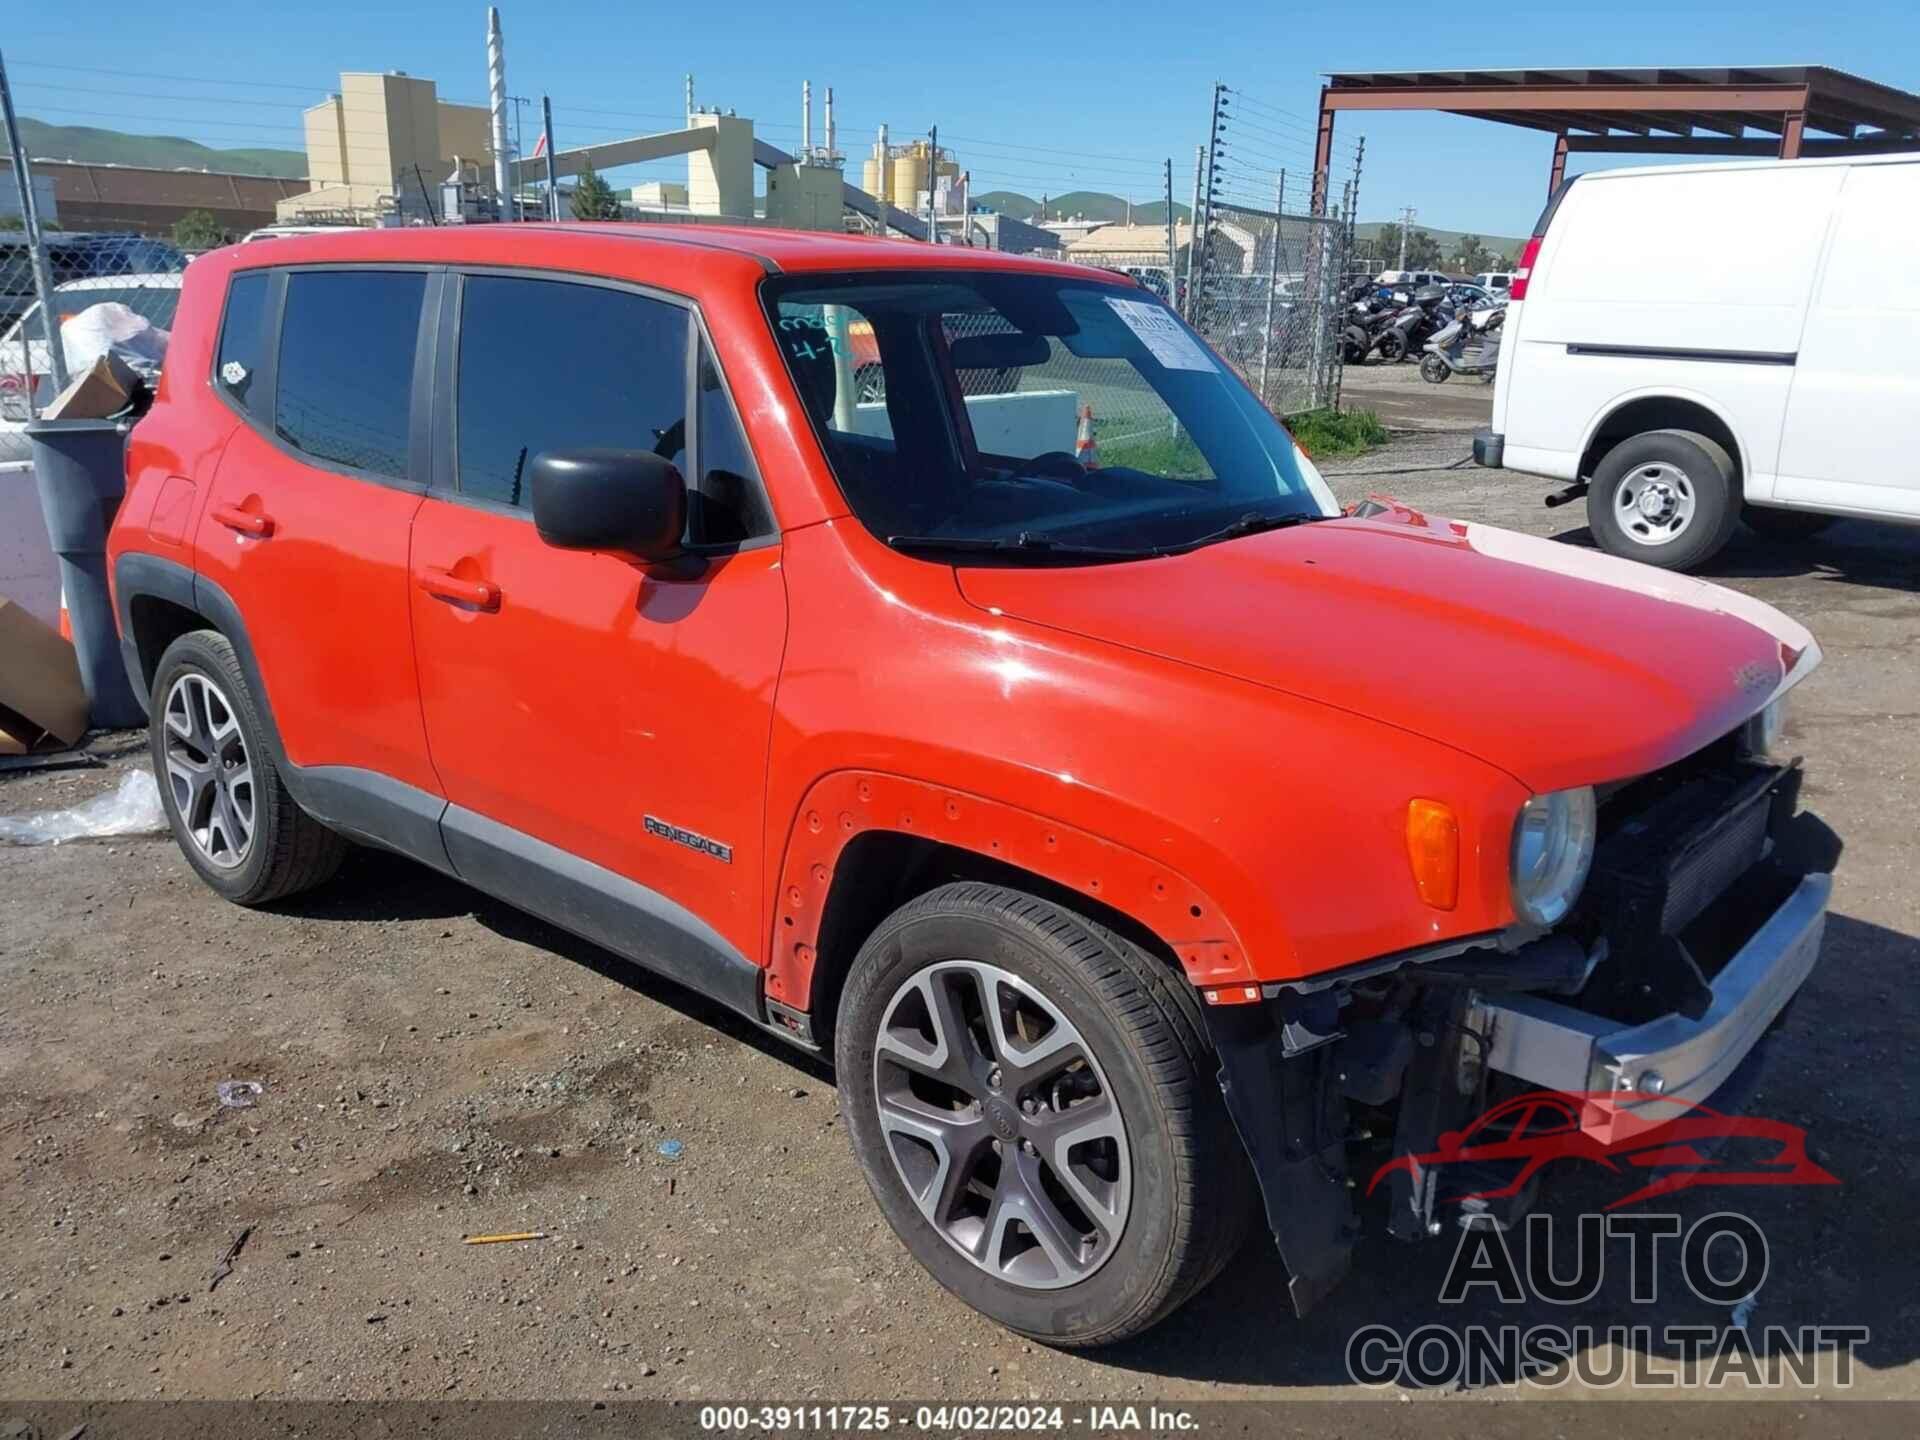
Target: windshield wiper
(1021, 544)
(1252, 523)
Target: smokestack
(497, 100)
(829, 122)
(886, 171)
(806, 118)
(689, 97)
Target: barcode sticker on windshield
(1162, 335)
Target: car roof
(774, 250)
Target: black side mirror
(624, 502)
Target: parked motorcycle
(1415, 324)
(1468, 345)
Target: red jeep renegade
(942, 659)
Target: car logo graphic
(1669, 1144)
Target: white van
(1697, 344)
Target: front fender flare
(840, 806)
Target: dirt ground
(436, 1065)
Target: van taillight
(1518, 289)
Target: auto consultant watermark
(1474, 1181)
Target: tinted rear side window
(347, 339)
(243, 342)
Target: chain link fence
(110, 291)
(1263, 290)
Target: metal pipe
(553, 180)
(933, 171)
(497, 101)
(830, 134)
(806, 120)
(36, 240)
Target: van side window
(346, 366)
(243, 342)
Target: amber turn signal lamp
(1433, 849)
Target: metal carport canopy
(1752, 110)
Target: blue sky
(1031, 97)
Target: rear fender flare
(849, 803)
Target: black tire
(1706, 470)
(1192, 1192)
(1354, 345)
(1434, 370)
(1789, 525)
(289, 851)
(1393, 347)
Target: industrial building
(382, 146)
(80, 196)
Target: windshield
(1032, 417)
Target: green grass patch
(1337, 432)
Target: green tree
(1471, 255)
(198, 230)
(593, 198)
(1423, 251)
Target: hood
(1558, 665)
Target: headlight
(1761, 733)
(1552, 851)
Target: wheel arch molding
(822, 860)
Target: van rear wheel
(1665, 498)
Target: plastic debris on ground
(239, 1094)
(132, 809)
(670, 1149)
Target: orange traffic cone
(1084, 450)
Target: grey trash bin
(79, 467)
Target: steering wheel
(1058, 464)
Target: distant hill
(1097, 205)
(1507, 245)
(162, 152)
(1093, 204)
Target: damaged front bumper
(1704, 916)
(1675, 1058)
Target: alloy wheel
(209, 771)
(1655, 503)
(1001, 1124)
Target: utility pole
(1353, 189)
(1201, 238)
(1406, 224)
(553, 180)
(933, 171)
(36, 244)
(1173, 273)
(1185, 305)
(497, 106)
(1273, 284)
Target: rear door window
(345, 366)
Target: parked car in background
(1413, 279)
(1697, 344)
(25, 374)
(1498, 281)
(898, 730)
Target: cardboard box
(40, 691)
(105, 390)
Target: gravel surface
(436, 1065)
